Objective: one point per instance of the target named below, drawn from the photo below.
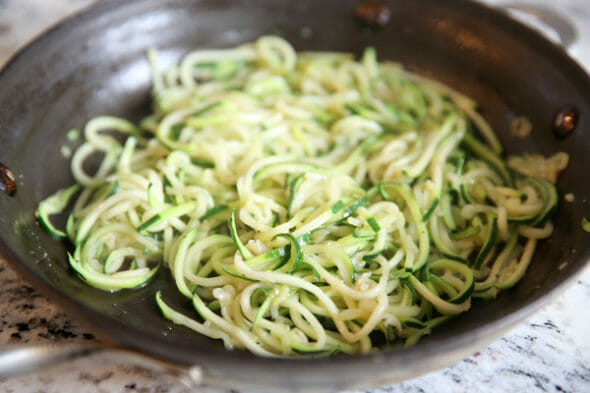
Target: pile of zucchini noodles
(305, 203)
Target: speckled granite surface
(550, 352)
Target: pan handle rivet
(565, 121)
(7, 180)
(372, 13)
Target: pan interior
(95, 64)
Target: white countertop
(550, 352)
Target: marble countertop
(549, 352)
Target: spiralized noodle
(304, 203)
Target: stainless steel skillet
(95, 64)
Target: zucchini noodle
(304, 203)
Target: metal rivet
(565, 121)
(372, 13)
(7, 180)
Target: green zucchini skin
(55, 205)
